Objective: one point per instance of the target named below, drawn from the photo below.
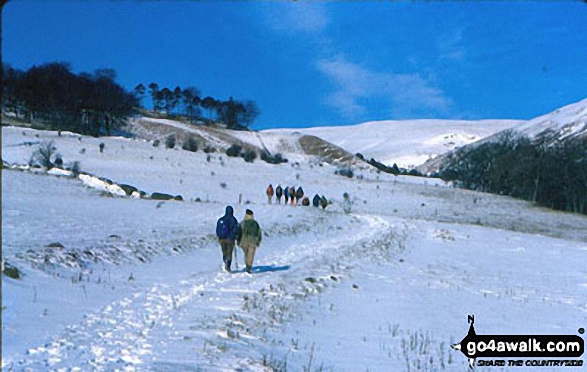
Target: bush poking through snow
(170, 141)
(43, 154)
(58, 161)
(249, 156)
(209, 149)
(190, 144)
(272, 159)
(347, 172)
(75, 168)
(234, 150)
(156, 143)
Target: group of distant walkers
(294, 196)
(247, 235)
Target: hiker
(269, 193)
(316, 201)
(226, 231)
(249, 238)
(323, 202)
(292, 194)
(305, 201)
(286, 194)
(278, 193)
(299, 194)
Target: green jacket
(249, 233)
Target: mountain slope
(408, 142)
(564, 124)
(294, 146)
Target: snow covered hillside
(564, 124)
(111, 282)
(219, 138)
(408, 143)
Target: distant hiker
(269, 193)
(316, 201)
(299, 194)
(286, 194)
(305, 201)
(279, 193)
(249, 238)
(226, 231)
(323, 202)
(292, 194)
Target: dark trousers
(227, 246)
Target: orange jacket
(270, 190)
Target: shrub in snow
(272, 159)
(234, 150)
(58, 161)
(414, 172)
(178, 198)
(347, 172)
(75, 168)
(170, 141)
(223, 185)
(249, 156)
(43, 154)
(190, 144)
(156, 143)
(347, 204)
(209, 149)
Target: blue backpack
(222, 229)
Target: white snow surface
(408, 143)
(137, 284)
(568, 121)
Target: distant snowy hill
(406, 142)
(564, 124)
(294, 146)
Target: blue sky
(323, 63)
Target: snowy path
(163, 325)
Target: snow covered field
(136, 284)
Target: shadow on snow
(264, 269)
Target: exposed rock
(161, 196)
(11, 271)
(128, 189)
